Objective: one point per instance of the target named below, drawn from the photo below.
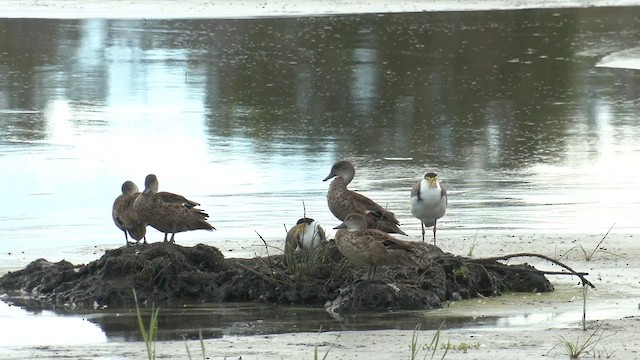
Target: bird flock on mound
(363, 236)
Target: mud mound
(172, 275)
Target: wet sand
(615, 270)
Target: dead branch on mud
(581, 275)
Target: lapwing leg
(165, 237)
(172, 238)
(145, 240)
(126, 238)
(422, 223)
(434, 231)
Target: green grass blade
(148, 336)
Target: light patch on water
(20, 328)
(624, 59)
(558, 309)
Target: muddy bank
(171, 275)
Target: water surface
(529, 117)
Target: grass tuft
(149, 336)
(590, 347)
(316, 355)
(433, 346)
(589, 254)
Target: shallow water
(509, 311)
(525, 115)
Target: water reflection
(235, 319)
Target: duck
(306, 235)
(343, 201)
(429, 202)
(372, 247)
(167, 212)
(124, 215)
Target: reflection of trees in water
(40, 62)
(487, 89)
(446, 88)
(26, 46)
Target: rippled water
(527, 117)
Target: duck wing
(388, 241)
(172, 198)
(368, 206)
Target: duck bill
(328, 177)
(341, 226)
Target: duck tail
(202, 225)
(198, 220)
(390, 228)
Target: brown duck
(169, 213)
(124, 216)
(372, 247)
(343, 201)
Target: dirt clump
(172, 275)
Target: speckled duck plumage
(343, 201)
(167, 212)
(371, 247)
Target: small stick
(271, 266)
(600, 243)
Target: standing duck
(307, 234)
(343, 201)
(372, 247)
(169, 213)
(124, 216)
(428, 202)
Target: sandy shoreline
(158, 9)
